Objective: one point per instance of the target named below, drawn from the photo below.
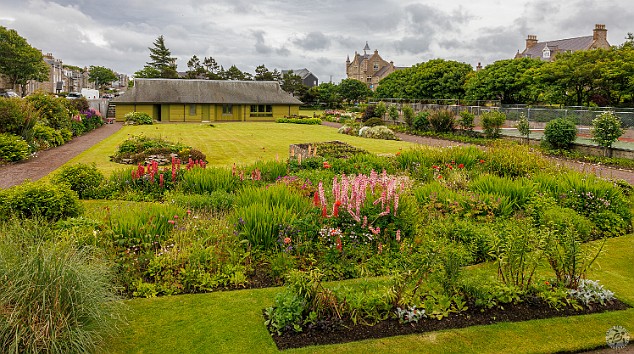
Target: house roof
(303, 73)
(206, 91)
(563, 45)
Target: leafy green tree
(352, 90)
(328, 93)
(195, 69)
(606, 129)
(212, 68)
(100, 75)
(506, 80)
(19, 62)
(263, 74)
(161, 64)
(437, 78)
(233, 73)
(571, 78)
(380, 110)
(293, 84)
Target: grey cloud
(413, 44)
(313, 41)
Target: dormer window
(546, 53)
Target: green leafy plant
(372, 122)
(13, 148)
(83, 179)
(441, 121)
(392, 112)
(17, 117)
(606, 129)
(52, 202)
(421, 121)
(466, 120)
(408, 116)
(523, 126)
(492, 122)
(560, 133)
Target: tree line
(163, 65)
(603, 77)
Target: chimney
(479, 67)
(531, 41)
(599, 33)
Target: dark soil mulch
(348, 332)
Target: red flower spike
(316, 200)
(324, 212)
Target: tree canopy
(100, 75)
(506, 80)
(437, 78)
(353, 90)
(19, 62)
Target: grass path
(229, 143)
(231, 322)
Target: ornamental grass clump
(208, 180)
(56, 298)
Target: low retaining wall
(583, 148)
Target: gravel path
(49, 160)
(597, 169)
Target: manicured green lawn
(231, 322)
(229, 143)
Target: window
(192, 109)
(546, 53)
(261, 110)
(227, 109)
(376, 66)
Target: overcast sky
(293, 34)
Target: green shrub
(80, 104)
(55, 298)
(83, 179)
(46, 137)
(13, 148)
(559, 219)
(372, 122)
(408, 116)
(441, 121)
(492, 122)
(17, 117)
(380, 110)
(523, 127)
(138, 118)
(421, 121)
(52, 202)
(513, 160)
(308, 121)
(270, 171)
(560, 133)
(392, 112)
(53, 111)
(606, 129)
(466, 120)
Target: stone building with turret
(368, 68)
(547, 50)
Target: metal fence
(580, 115)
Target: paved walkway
(597, 169)
(49, 160)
